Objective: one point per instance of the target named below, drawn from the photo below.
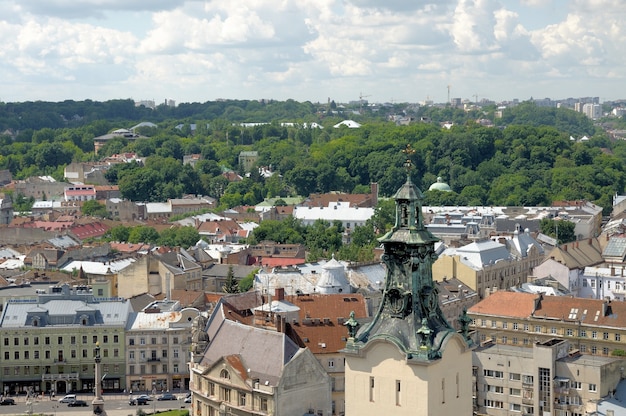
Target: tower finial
(408, 164)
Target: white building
(350, 217)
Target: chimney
(612, 271)
(606, 308)
(538, 300)
(374, 191)
(279, 293)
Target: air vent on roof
(305, 339)
(340, 320)
(316, 321)
(326, 321)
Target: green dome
(440, 185)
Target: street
(113, 405)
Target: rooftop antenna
(449, 93)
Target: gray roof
(480, 253)
(616, 247)
(265, 353)
(61, 312)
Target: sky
(311, 50)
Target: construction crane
(361, 96)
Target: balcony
(153, 359)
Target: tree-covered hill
(529, 160)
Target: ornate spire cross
(409, 152)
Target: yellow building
(408, 360)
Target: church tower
(408, 360)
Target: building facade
(48, 342)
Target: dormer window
(36, 321)
(225, 374)
(84, 320)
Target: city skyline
(194, 51)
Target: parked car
(167, 396)
(138, 401)
(77, 403)
(7, 402)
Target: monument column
(98, 402)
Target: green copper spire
(409, 314)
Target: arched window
(225, 374)
(36, 321)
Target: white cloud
(308, 49)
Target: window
(537, 328)
(84, 339)
(618, 337)
(493, 324)
(594, 349)
(131, 369)
(16, 341)
(164, 340)
(175, 340)
(515, 326)
(165, 368)
(515, 392)
(7, 355)
(494, 403)
(116, 352)
(526, 326)
(605, 351)
(483, 322)
(105, 339)
(95, 339)
(60, 340)
(515, 376)
(583, 348)
(527, 379)
(27, 355)
(582, 333)
(153, 340)
(331, 363)
(493, 373)
(263, 404)
(505, 325)
(443, 390)
(515, 407)
(605, 335)
(594, 334)
(131, 355)
(164, 353)
(514, 340)
(142, 355)
(592, 387)
(242, 399)
(504, 340)
(6, 342)
(47, 340)
(372, 384)
(131, 341)
(175, 353)
(569, 332)
(175, 368)
(26, 340)
(142, 341)
(36, 355)
(73, 340)
(225, 394)
(553, 330)
(84, 353)
(73, 353)
(116, 338)
(576, 385)
(494, 389)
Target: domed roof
(440, 185)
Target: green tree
(143, 234)
(562, 230)
(94, 208)
(247, 282)
(231, 285)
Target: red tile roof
(593, 312)
(321, 319)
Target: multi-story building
(486, 266)
(48, 342)
(247, 370)
(592, 326)
(546, 379)
(157, 344)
